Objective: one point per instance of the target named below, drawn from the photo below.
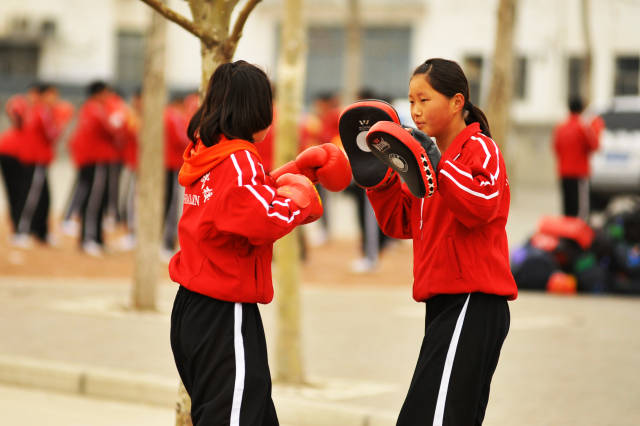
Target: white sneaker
(363, 265)
(127, 242)
(52, 240)
(92, 248)
(21, 241)
(70, 228)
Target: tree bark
(353, 63)
(150, 183)
(501, 88)
(588, 46)
(291, 71)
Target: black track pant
(94, 203)
(221, 354)
(34, 214)
(171, 210)
(13, 174)
(459, 353)
(575, 197)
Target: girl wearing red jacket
(233, 212)
(461, 264)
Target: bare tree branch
(185, 23)
(241, 20)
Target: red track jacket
(573, 142)
(459, 237)
(40, 131)
(175, 137)
(230, 220)
(93, 140)
(12, 140)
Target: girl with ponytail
(461, 260)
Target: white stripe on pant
(33, 197)
(96, 195)
(438, 416)
(239, 352)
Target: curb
(160, 391)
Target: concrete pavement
(566, 361)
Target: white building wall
(547, 32)
(82, 46)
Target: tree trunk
(183, 408)
(215, 15)
(501, 88)
(353, 62)
(588, 46)
(150, 185)
(291, 71)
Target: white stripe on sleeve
(468, 190)
(237, 166)
(462, 172)
(253, 168)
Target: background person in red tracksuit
(573, 143)
(461, 262)
(175, 142)
(40, 131)
(94, 149)
(233, 212)
(11, 144)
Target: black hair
(576, 106)
(324, 96)
(447, 77)
(366, 93)
(96, 87)
(42, 87)
(238, 103)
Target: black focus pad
(355, 122)
(398, 149)
(430, 147)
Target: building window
(576, 81)
(473, 70)
(19, 59)
(627, 75)
(385, 60)
(130, 59)
(520, 78)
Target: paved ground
(567, 360)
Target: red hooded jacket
(231, 218)
(573, 142)
(459, 237)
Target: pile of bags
(566, 255)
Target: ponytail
(475, 115)
(447, 77)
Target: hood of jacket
(199, 159)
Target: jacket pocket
(454, 258)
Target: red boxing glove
(324, 163)
(335, 173)
(300, 190)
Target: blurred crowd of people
(103, 148)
